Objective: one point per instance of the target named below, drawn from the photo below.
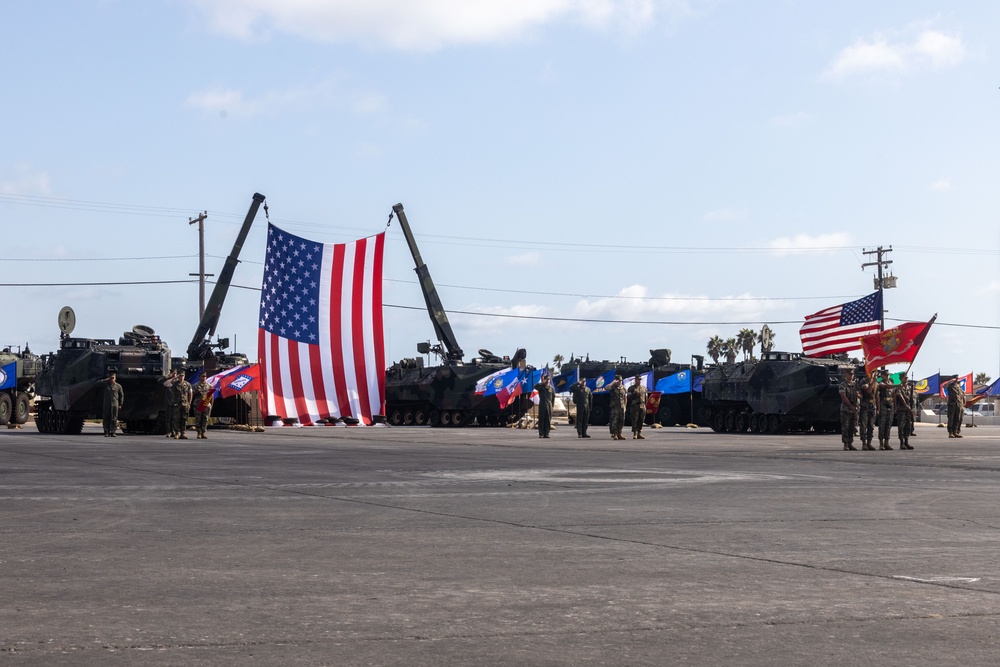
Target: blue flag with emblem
(8, 375)
(601, 382)
(678, 383)
(929, 385)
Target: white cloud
(232, 102)
(420, 24)
(941, 185)
(27, 182)
(913, 49)
(808, 243)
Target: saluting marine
(638, 394)
(616, 412)
(848, 410)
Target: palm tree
(730, 348)
(982, 378)
(557, 361)
(715, 348)
(747, 338)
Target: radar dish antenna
(67, 320)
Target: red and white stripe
(823, 334)
(344, 374)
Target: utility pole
(882, 283)
(201, 262)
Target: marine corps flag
(898, 345)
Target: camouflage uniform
(866, 415)
(583, 399)
(114, 396)
(181, 389)
(616, 410)
(914, 406)
(638, 394)
(203, 393)
(884, 414)
(904, 417)
(546, 401)
(956, 408)
(848, 412)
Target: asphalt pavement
(490, 546)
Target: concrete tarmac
(485, 546)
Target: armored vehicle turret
(69, 389)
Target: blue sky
(697, 166)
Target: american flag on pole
(320, 338)
(838, 329)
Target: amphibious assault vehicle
(69, 384)
(445, 395)
(17, 384)
(780, 392)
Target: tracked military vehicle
(17, 384)
(69, 384)
(445, 395)
(781, 392)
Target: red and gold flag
(898, 345)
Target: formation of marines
(876, 402)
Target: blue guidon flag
(8, 375)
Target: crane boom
(200, 346)
(442, 327)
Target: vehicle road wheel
(396, 418)
(434, 418)
(718, 422)
(458, 418)
(445, 418)
(22, 407)
(408, 418)
(773, 423)
(741, 422)
(730, 422)
(420, 417)
(4, 409)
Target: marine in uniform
(114, 396)
(883, 414)
(866, 413)
(182, 406)
(204, 394)
(637, 394)
(956, 408)
(546, 401)
(616, 409)
(904, 416)
(583, 400)
(848, 410)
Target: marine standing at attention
(883, 410)
(616, 409)
(904, 416)
(582, 399)
(546, 401)
(848, 410)
(956, 407)
(638, 394)
(114, 396)
(866, 414)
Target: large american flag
(838, 329)
(320, 338)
